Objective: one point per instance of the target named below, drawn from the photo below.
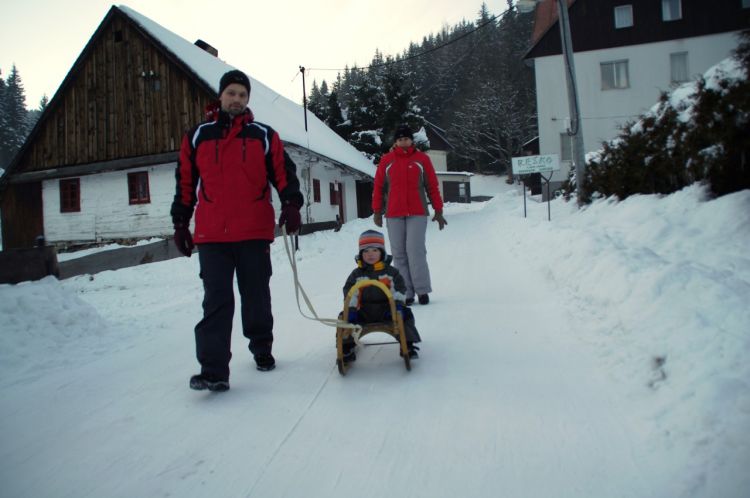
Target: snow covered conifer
(15, 112)
(4, 126)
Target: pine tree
(5, 154)
(34, 114)
(365, 113)
(469, 79)
(495, 111)
(316, 102)
(15, 110)
(400, 103)
(367, 106)
(335, 119)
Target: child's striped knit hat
(371, 238)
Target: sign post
(526, 165)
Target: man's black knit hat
(234, 76)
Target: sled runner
(394, 328)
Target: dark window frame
(138, 188)
(316, 190)
(333, 194)
(70, 195)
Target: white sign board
(526, 165)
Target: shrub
(700, 136)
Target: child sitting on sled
(370, 304)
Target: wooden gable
(126, 102)
(126, 96)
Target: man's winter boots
(265, 362)
(201, 383)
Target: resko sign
(526, 165)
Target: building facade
(627, 52)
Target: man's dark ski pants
(251, 260)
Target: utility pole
(575, 131)
(307, 177)
(576, 128)
(304, 95)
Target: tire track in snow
(289, 433)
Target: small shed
(455, 186)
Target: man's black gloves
(182, 238)
(290, 217)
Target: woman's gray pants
(407, 237)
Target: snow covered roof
(269, 107)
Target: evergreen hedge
(702, 138)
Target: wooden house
(99, 164)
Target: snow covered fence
(115, 259)
(19, 265)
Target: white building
(627, 52)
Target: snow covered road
(508, 397)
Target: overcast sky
(269, 39)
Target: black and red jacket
(404, 181)
(225, 171)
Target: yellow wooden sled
(395, 328)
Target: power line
(422, 54)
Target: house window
(138, 188)
(334, 194)
(566, 147)
(671, 10)
(678, 65)
(316, 190)
(614, 75)
(70, 195)
(623, 16)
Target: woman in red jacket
(404, 181)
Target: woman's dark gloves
(439, 218)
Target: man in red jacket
(227, 165)
(404, 180)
